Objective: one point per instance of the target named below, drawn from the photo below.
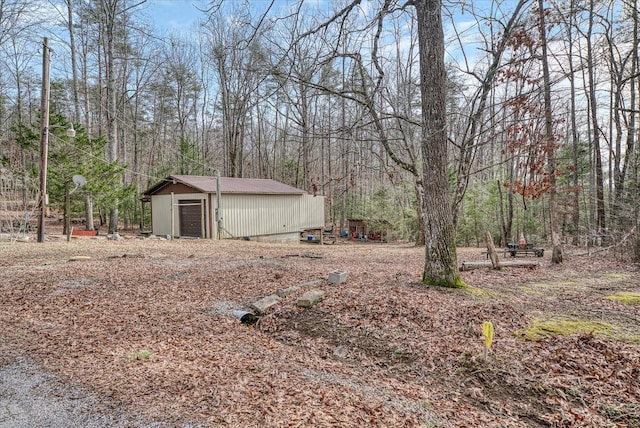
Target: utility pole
(44, 139)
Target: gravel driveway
(30, 398)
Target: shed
(190, 206)
(377, 230)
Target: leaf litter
(156, 334)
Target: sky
(180, 15)
(175, 15)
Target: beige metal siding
(160, 217)
(253, 215)
(312, 212)
(256, 215)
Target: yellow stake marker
(487, 331)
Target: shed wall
(244, 214)
(312, 212)
(255, 215)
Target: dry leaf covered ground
(146, 327)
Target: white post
(172, 216)
(218, 208)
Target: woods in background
(541, 110)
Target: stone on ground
(263, 305)
(310, 298)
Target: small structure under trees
(377, 230)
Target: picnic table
(512, 249)
(515, 249)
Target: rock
(79, 258)
(311, 283)
(264, 304)
(310, 298)
(315, 256)
(341, 352)
(284, 292)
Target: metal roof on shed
(206, 184)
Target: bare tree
(623, 67)
(239, 62)
(549, 138)
(468, 142)
(74, 61)
(112, 21)
(593, 109)
(16, 16)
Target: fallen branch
(516, 263)
(491, 251)
(591, 252)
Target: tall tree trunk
(419, 189)
(74, 62)
(84, 60)
(600, 211)
(575, 141)
(345, 157)
(556, 256)
(67, 208)
(632, 131)
(109, 9)
(23, 157)
(88, 209)
(440, 266)
(306, 143)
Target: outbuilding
(190, 206)
(377, 230)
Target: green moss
(626, 297)
(631, 338)
(480, 292)
(142, 354)
(616, 275)
(611, 411)
(457, 283)
(556, 284)
(545, 328)
(539, 285)
(568, 284)
(529, 290)
(398, 352)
